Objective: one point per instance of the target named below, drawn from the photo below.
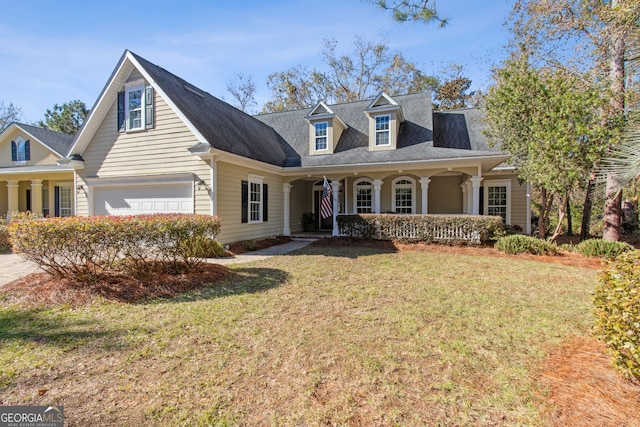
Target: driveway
(13, 266)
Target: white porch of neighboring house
(408, 193)
(46, 193)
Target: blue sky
(56, 51)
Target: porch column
(335, 189)
(475, 184)
(286, 189)
(424, 185)
(12, 196)
(469, 196)
(463, 186)
(36, 196)
(377, 184)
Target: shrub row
(602, 248)
(520, 244)
(5, 246)
(617, 311)
(89, 246)
(425, 228)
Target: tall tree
(66, 118)
(8, 114)
(369, 69)
(416, 10)
(591, 35)
(243, 90)
(550, 121)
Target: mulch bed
(242, 247)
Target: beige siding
(40, 155)
(445, 195)
(301, 201)
(230, 178)
(162, 150)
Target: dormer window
(133, 109)
(382, 130)
(321, 136)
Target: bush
(519, 244)
(204, 247)
(421, 228)
(249, 245)
(602, 248)
(5, 246)
(617, 312)
(85, 247)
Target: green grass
(325, 336)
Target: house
(153, 143)
(31, 173)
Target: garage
(144, 199)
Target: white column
(463, 186)
(12, 196)
(36, 196)
(475, 184)
(213, 187)
(424, 185)
(335, 190)
(377, 185)
(527, 227)
(286, 189)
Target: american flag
(326, 207)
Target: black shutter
(14, 151)
(27, 150)
(245, 201)
(265, 204)
(121, 126)
(56, 194)
(148, 105)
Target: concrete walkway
(13, 266)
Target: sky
(57, 51)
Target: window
(403, 195)
(254, 200)
(382, 130)
(363, 196)
(20, 150)
(63, 200)
(497, 199)
(321, 136)
(135, 108)
(45, 202)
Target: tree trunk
(561, 213)
(587, 209)
(613, 201)
(569, 221)
(545, 209)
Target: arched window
(20, 150)
(403, 195)
(363, 195)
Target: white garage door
(147, 199)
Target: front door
(323, 224)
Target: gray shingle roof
(58, 142)
(225, 127)
(422, 136)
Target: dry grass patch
(325, 336)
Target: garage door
(147, 199)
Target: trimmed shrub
(89, 246)
(204, 247)
(520, 244)
(421, 228)
(5, 246)
(602, 248)
(617, 312)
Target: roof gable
(212, 121)
(56, 142)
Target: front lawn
(325, 336)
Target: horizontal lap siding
(230, 202)
(158, 151)
(518, 203)
(445, 195)
(301, 202)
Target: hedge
(89, 246)
(602, 248)
(5, 246)
(520, 244)
(617, 312)
(424, 228)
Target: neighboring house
(30, 172)
(153, 143)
